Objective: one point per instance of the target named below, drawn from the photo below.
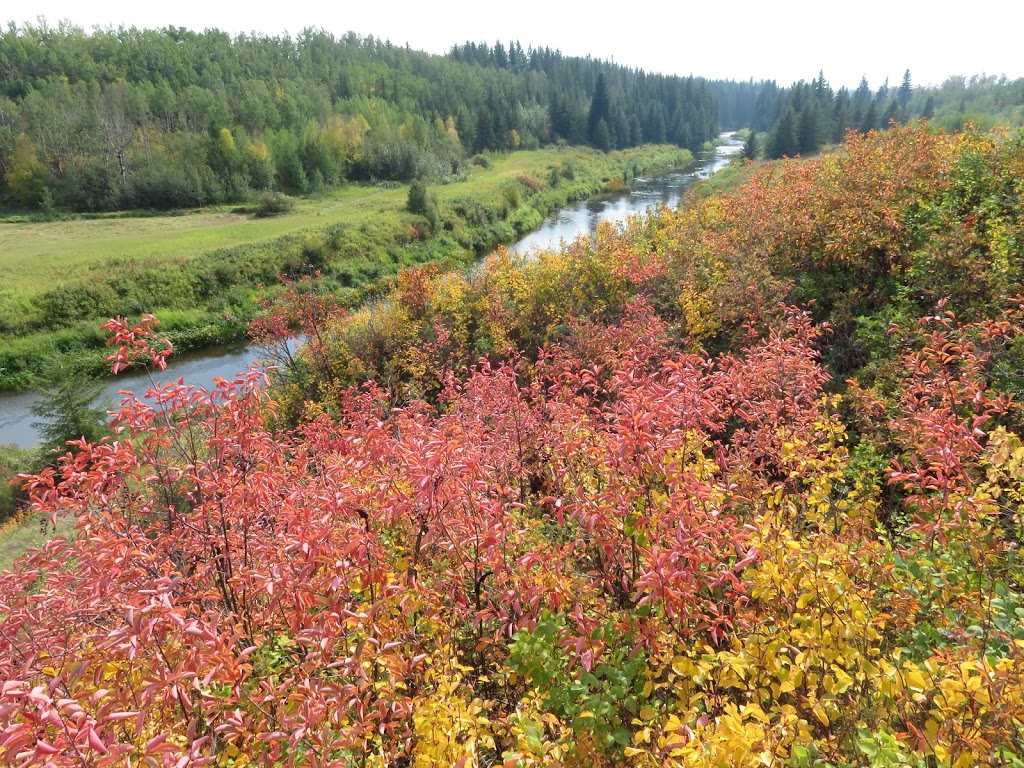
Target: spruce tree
(602, 137)
(808, 132)
(905, 91)
(600, 108)
(783, 139)
(750, 147)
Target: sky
(741, 39)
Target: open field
(202, 269)
(34, 256)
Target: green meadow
(36, 255)
(202, 271)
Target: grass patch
(202, 270)
(20, 534)
(727, 180)
(36, 256)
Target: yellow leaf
(915, 680)
(754, 711)
(820, 713)
(842, 680)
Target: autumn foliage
(609, 505)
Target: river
(16, 419)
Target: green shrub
(273, 204)
(70, 302)
(13, 462)
(421, 202)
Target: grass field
(200, 271)
(35, 256)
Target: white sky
(764, 39)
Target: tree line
(172, 118)
(806, 116)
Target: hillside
(738, 484)
(169, 118)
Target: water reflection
(667, 190)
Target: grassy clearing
(34, 256)
(201, 271)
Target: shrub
(70, 302)
(164, 185)
(14, 461)
(274, 204)
(531, 184)
(421, 203)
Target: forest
(167, 119)
(735, 484)
(805, 117)
(170, 118)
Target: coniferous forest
(737, 484)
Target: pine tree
(750, 147)
(69, 406)
(870, 120)
(602, 137)
(808, 130)
(600, 108)
(905, 91)
(783, 139)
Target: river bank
(202, 272)
(580, 218)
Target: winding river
(16, 419)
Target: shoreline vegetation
(739, 483)
(202, 272)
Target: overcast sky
(762, 39)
